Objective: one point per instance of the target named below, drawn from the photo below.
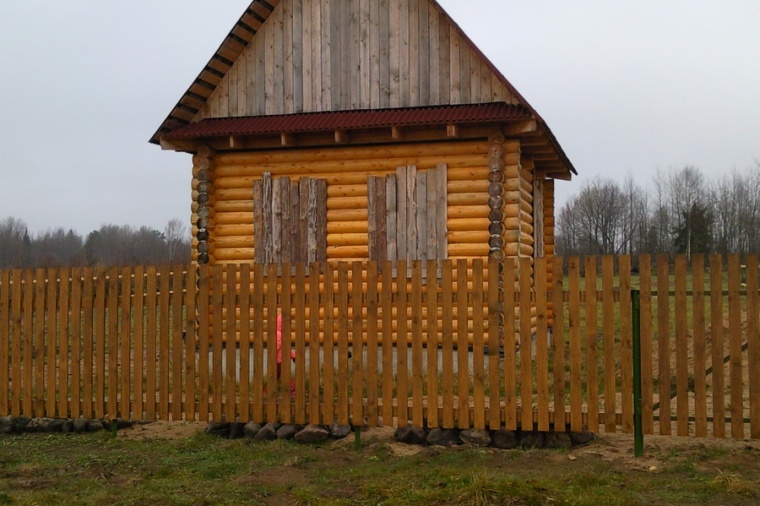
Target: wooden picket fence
(386, 344)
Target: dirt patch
(162, 430)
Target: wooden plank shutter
(407, 214)
(538, 217)
(290, 220)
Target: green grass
(97, 468)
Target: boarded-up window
(538, 217)
(289, 220)
(407, 214)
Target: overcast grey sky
(630, 86)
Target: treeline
(680, 211)
(110, 245)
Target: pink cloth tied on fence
(279, 342)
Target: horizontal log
(475, 186)
(234, 254)
(468, 250)
(346, 203)
(376, 166)
(347, 252)
(353, 153)
(238, 218)
(467, 199)
(476, 211)
(467, 224)
(475, 238)
(234, 206)
(347, 227)
(347, 215)
(345, 239)
(231, 230)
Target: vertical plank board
(125, 343)
(386, 308)
(394, 48)
(163, 346)
(682, 348)
(204, 325)
(313, 343)
(647, 377)
(372, 216)
(138, 344)
(441, 180)
(285, 389)
(574, 326)
(100, 343)
(230, 390)
(526, 359)
(321, 219)
(510, 345)
(27, 405)
(303, 193)
(430, 240)
(277, 224)
(364, 54)
(411, 215)
(753, 346)
(258, 222)
(404, 74)
(444, 65)
(276, 20)
(422, 216)
(447, 345)
(434, 48)
(51, 344)
(268, 34)
(112, 341)
(308, 58)
(414, 54)
(217, 309)
(401, 213)
(463, 369)
(432, 344)
(337, 9)
(300, 344)
(478, 351)
(267, 212)
(298, 57)
(626, 343)
(558, 342)
(273, 312)
(454, 71)
(592, 344)
(418, 376)
(718, 346)
(16, 336)
(391, 217)
(357, 361)
(494, 376)
(663, 342)
(286, 227)
(383, 38)
(735, 347)
(423, 50)
(402, 347)
(295, 225)
(316, 52)
(5, 344)
(328, 375)
(542, 344)
(39, 342)
(608, 323)
(372, 320)
(343, 381)
(190, 340)
(465, 75)
(381, 216)
(700, 363)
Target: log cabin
(341, 130)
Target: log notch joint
(203, 168)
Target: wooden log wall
(304, 59)
(346, 170)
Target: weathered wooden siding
(326, 55)
(346, 171)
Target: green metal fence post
(638, 432)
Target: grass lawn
(193, 468)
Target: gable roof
(251, 48)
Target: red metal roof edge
(354, 119)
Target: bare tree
(15, 245)
(177, 241)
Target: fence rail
(466, 348)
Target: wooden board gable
(331, 55)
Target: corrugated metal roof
(349, 120)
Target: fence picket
(682, 349)
(100, 342)
(663, 343)
(257, 398)
(592, 344)
(753, 346)
(700, 364)
(285, 390)
(626, 343)
(16, 339)
(39, 343)
(718, 346)
(64, 361)
(300, 343)
(402, 347)
(177, 303)
(574, 324)
(151, 331)
(343, 381)
(526, 358)
(372, 320)
(203, 341)
(112, 341)
(542, 344)
(735, 347)
(463, 369)
(230, 339)
(357, 355)
(190, 338)
(494, 376)
(647, 383)
(5, 349)
(417, 373)
(217, 308)
(386, 307)
(125, 343)
(328, 376)
(271, 342)
(510, 346)
(447, 345)
(50, 328)
(164, 352)
(314, 343)
(608, 328)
